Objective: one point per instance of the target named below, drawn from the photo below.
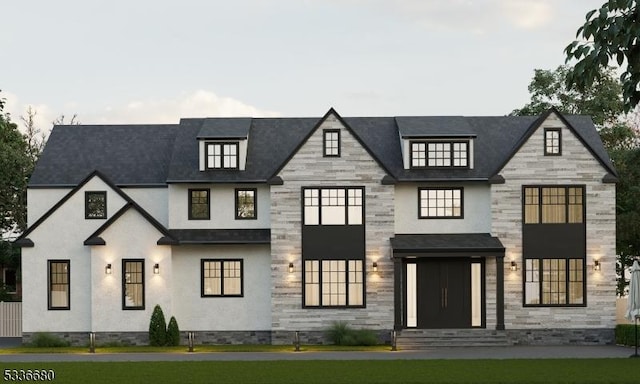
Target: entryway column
(398, 294)
(500, 293)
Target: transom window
(331, 142)
(550, 282)
(95, 205)
(439, 154)
(246, 204)
(132, 284)
(333, 206)
(59, 293)
(333, 283)
(553, 205)
(552, 142)
(221, 278)
(222, 155)
(440, 203)
(199, 204)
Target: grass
(583, 371)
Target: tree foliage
(157, 328)
(609, 33)
(173, 332)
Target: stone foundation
(574, 336)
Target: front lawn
(581, 371)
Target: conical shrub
(173, 332)
(157, 328)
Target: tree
(173, 332)
(157, 328)
(609, 33)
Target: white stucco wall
(222, 197)
(477, 210)
(153, 200)
(61, 237)
(252, 312)
(41, 200)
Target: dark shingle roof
(160, 154)
(447, 243)
(221, 236)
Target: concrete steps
(417, 339)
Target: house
(249, 229)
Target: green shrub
(157, 328)
(47, 340)
(625, 334)
(341, 334)
(173, 332)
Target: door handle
(446, 297)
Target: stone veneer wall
(308, 167)
(576, 166)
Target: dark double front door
(443, 293)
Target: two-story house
(249, 229)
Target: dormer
(436, 142)
(222, 143)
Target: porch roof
(449, 244)
(221, 236)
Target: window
(550, 282)
(221, 278)
(333, 206)
(440, 203)
(222, 155)
(333, 283)
(439, 154)
(132, 284)
(10, 280)
(331, 143)
(95, 205)
(552, 142)
(59, 293)
(199, 208)
(246, 204)
(553, 205)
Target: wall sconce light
(156, 269)
(107, 269)
(375, 266)
(514, 266)
(290, 267)
(596, 265)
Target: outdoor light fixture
(514, 266)
(107, 269)
(375, 266)
(596, 265)
(290, 267)
(156, 269)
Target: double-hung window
(59, 277)
(199, 204)
(552, 142)
(132, 284)
(331, 142)
(246, 204)
(222, 155)
(221, 278)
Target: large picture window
(554, 282)
(59, 292)
(199, 204)
(439, 203)
(554, 205)
(133, 284)
(221, 278)
(222, 155)
(333, 283)
(333, 206)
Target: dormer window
(439, 153)
(331, 143)
(222, 155)
(552, 142)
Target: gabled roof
(154, 155)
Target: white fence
(10, 319)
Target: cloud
(199, 103)
(530, 14)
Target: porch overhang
(446, 245)
(221, 236)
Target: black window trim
(324, 142)
(222, 144)
(124, 282)
(49, 305)
(346, 205)
(86, 205)
(567, 282)
(320, 306)
(426, 154)
(189, 207)
(255, 203)
(566, 205)
(546, 150)
(222, 294)
(421, 217)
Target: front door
(443, 293)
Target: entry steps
(417, 339)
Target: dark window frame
(451, 152)
(567, 203)
(88, 209)
(12, 285)
(190, 206)
(222, 294)
(346, 283)
(346, 205)
(255, 203)
(50, 284)
(548, 150)
(567, 282)
(325, 141)
(422, 217)
(142, 283)
(222, 155)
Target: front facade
(248, 230)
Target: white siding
(153, 200)
(41, 200)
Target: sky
(142, 61)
